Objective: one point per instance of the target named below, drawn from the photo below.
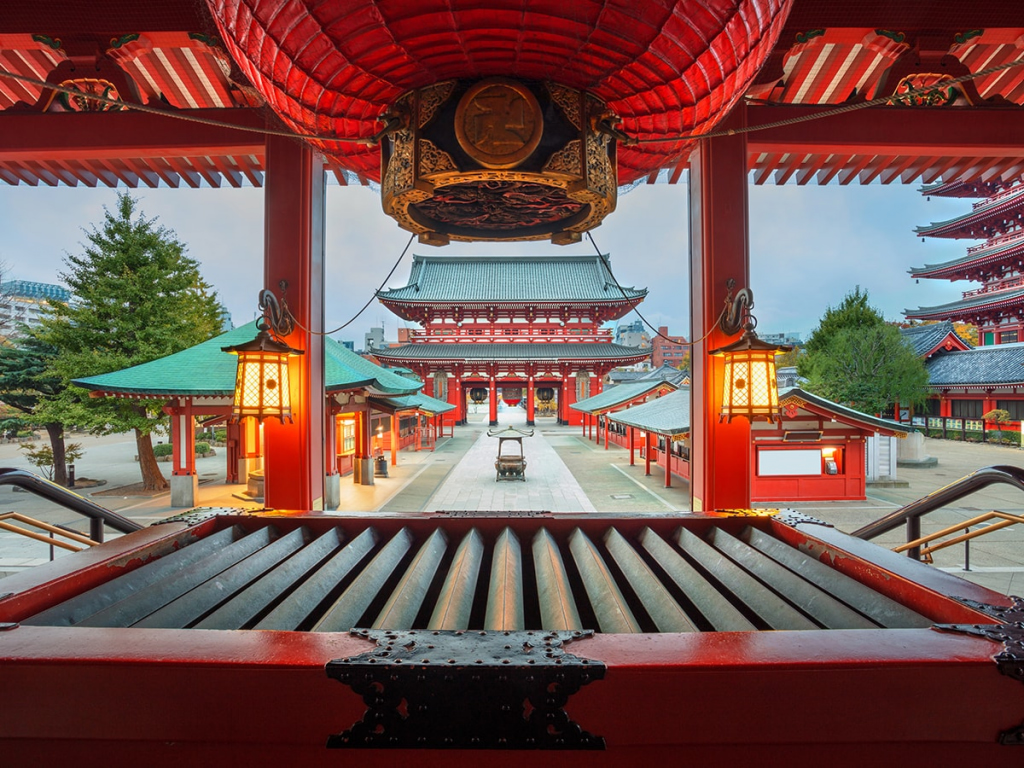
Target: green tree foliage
(856, 358)
(27, 384)
(136, 297)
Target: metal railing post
(96, 529)
(967, 551)
(913, 534)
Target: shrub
(935, 433)
(974, 437)
(163, 449)
(202, 449)
(220, 435)
(26, 433)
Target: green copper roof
(206, 371)
(512, 351)
(668, 415)
(418, 402)
(618, 395)
(501, 279)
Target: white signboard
(771, 462)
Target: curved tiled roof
(986, 256)
(418, 402)
(955, 308)
(955, 227)
(925, 338)
(205, 370)
(503, 279)
(999, 364)
(512, 351)
(618, 395)
(841, 413)
(668, 415)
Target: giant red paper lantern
(665, 67)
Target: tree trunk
(152, 478)
(60, 467)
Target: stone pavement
(565, 472)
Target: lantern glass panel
(261, 386)
(749, 386)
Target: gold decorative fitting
(469, 166)
(499, 123)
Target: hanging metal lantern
(478, 394)
(750, 388)
(545, 394)
(261, 381)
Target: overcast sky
(809, 246)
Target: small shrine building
(524, 326)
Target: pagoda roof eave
(842, 413)
(983, 302)
(953, 227)
(955, 268)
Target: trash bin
(380, 466)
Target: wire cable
(655, 331)
(367, 304)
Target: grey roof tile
(490, 279)
(1000, 364)
(924, 338)
(511, 351)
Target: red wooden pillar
(945, 406)
(719, 245)
(184, 480)
(606, 430)
(394, 439)
(529, 402)
(668, 462)
(294, 252)
(647, 453)
(331, 442)
(632, 443)
(362, 461)
(492, 401)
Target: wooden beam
(891, 131)
(106, 135)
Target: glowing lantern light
(749, 387)
(261, 382)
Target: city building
(632, 334)
(373, 339)
(23, 302)
(515, 324)
(667, 349)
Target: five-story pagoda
(997, 307)
(529, 326)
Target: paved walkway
(565, 473)
(549, 484)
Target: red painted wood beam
(890, 131)
(719, 251)
(85, 135)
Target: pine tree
(136, 297)
(27, 385)
(856, 358)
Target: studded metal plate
(466, 690)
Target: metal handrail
(54, 530)
(912, 513)
(1005, 520)
(98, 516)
